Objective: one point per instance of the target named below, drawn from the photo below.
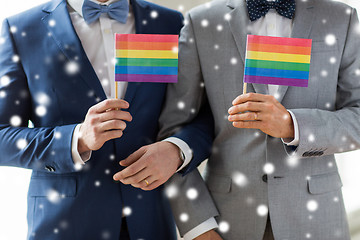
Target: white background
(14, 182)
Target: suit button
(265, 178)
(321, 153)
(50, 168)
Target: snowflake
(292, 161)
(324, 73)
(330, 164)
(21, 144)
(107, 171)
(227, 17)
(15, 58)
(91, 93)
(57, 135)
(171, 191)
(262, 210)
(56, 231)
(204, 23)
(144, 22)
(23, 34)
(216, 46)
(181, 105)
(332, 60)
(175, 50)
(269, 168)
(154, 14)
(328, 105)
(257, 134)
(219, 28)
(13, 29)
(4, 81)
(336, 199)
(127, 211)
(41, 111)
(112, 157)
(52, 23)
(308, 235)
(312, 205)
(208, 5)
(37, 76)
(357, 72)
(78, 166)
(181, 8)
(216, 67)
(106, 235)
(72, 68)
(43, 99)
(311, 138)
(105, 82)
(330, 39)
(15, 121)
(240, 179)
(2, 40)
(224, 226)
(64, 224)
(324, 21)
(2, 94)
(233, 61)
(192, 193)
(53, 196)
(348, 11)
(97, 183)
(184, 217)
(193, 110)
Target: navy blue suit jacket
(64, 203)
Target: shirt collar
(77, 4)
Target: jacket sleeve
(324, 132)
(43, 148)
(187, 114)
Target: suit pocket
(45, 187)
(220, 184)
(319, 184)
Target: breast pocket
(324, 183)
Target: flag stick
(116, 90)
(244, 88)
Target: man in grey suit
(272, 173)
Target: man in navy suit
(56, 69)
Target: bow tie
(118, 10)
(259, 8)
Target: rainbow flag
(277, 60)
(146, 58)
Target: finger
(254, 97)
(115, 114)
(152, 186)
(248, 124)
(248, 116)
(110, 104)
(137, 178)
(248, 106)
(145, 182)
(130, 170)
(112, 125)
(113, 134)
(133, 157)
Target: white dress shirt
(98, 41)
(275, 25)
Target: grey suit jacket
(303, 193)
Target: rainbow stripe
(277, 60)
(146, 58)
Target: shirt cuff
(185, 151)
(295, 141)
(77, 157)
(201, 229)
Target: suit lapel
(238, 23)
(303, 21)
(67, 40)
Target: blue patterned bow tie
(118, 10)
(259, 8)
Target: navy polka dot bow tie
(259, 8)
